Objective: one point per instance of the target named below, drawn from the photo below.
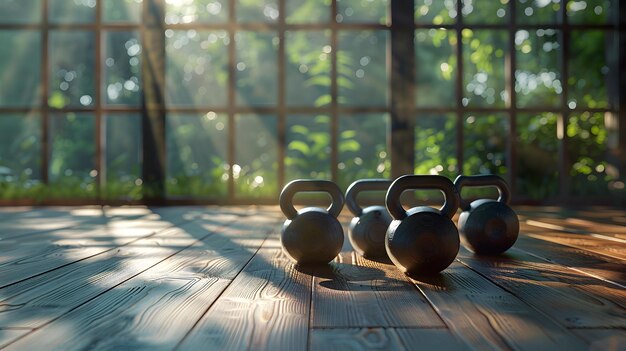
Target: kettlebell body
(422, 240)
(368, 228)
(311, 235)
(487, 226)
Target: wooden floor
(198, 278)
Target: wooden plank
(41, 253)
(604, 339)
(36, 301)
(27, 256)
(355, 292)
(586, 242)
(384, 339)
(487, 317)
(9, 335)
(567, 296)
(155, 309)
(579, 226)
(598, 214)
(597, 265)
(28, 221)
(265, 308)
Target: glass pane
(362, 68)
(485, 11)
(308, 147)
(538, 77)
(256, 157)
(122, 68)
(308, 68)
(257, 10)
(196, 67)
(485, 139)
(257, 67)
(20, 68)
(189, 11)
(72, 11)
(20, 11)
(370, 11)
(484, 57)
(197, 155)
(123, 156)
(587, 149)
(591, 68)
(20, 155)
(435, 144)
(307, 11)
(435, 68)
(363, 151)
(435, 11)
(538, 12)
(72, 68)
(537, 156)
(121, 10)
(592, 11)
(72, 155)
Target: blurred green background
(60, 80)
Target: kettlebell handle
(310, 185)
(483, 180)
(406, 182)
(363, 185)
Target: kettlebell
(487, 226)
(311, 235)
(422, 240)
(368, 227)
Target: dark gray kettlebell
(487, 226)
(367, 230)
(311, 235)
(422, 240)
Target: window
(218, 101)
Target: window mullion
(402, 86)
(153, 102)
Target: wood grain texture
(581, 241)
(355, 292)
(205, 284)
(612, 216)
(29, 255)
(384, 339)
(7, 336)
(598, 265)
(155, 309)
(36, 301)
(579, 226)
(567, 296)
(487, 317)
(604, 339)
(265, 308)
(25, 221)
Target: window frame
(401, 106)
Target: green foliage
(197, 74)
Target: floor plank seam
(33, 330)
(430, 303)
(195, 325)
(173, 225)
(602, 255)
(308, 341)
(79, 223)
(572, 268)
(520, 299)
